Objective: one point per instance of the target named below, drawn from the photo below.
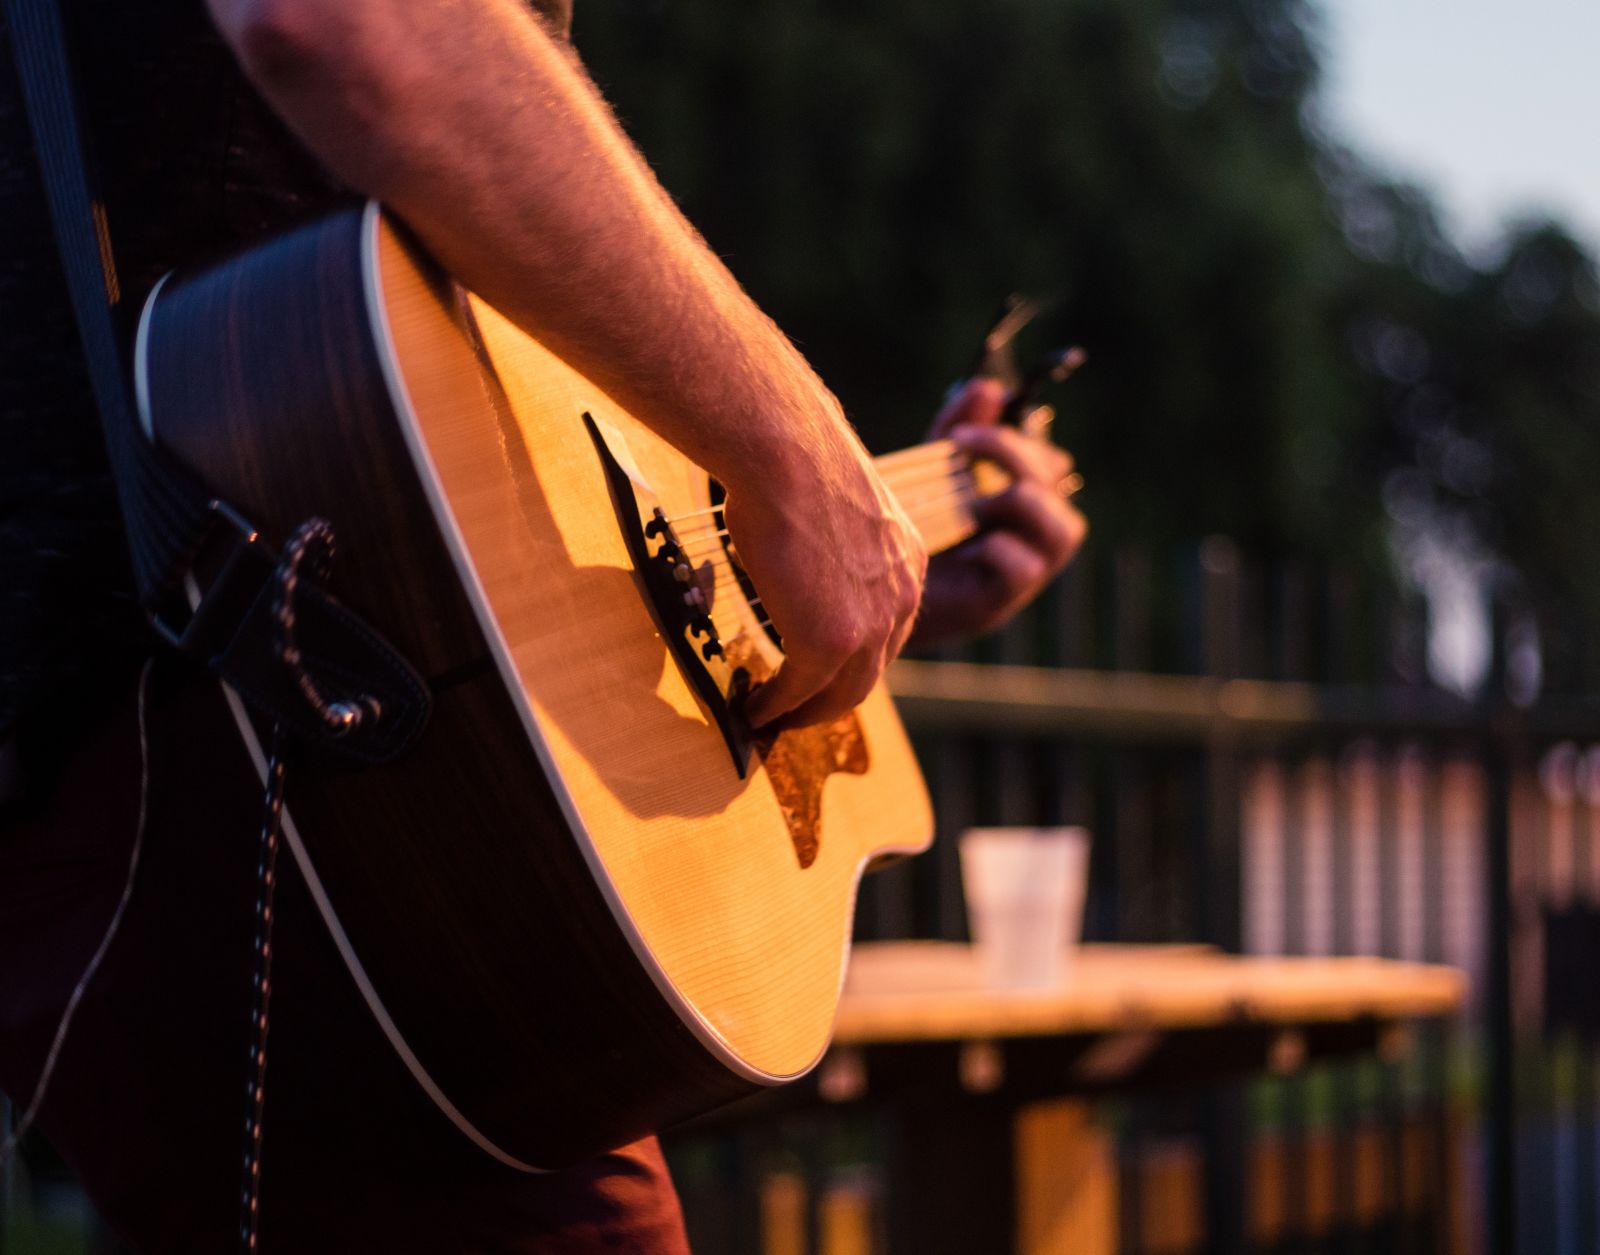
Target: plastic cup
(1025, 889)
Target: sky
(1494, 104)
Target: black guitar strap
(171, 519)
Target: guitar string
(906, 492)
(725, 578)
(909, 503)
(903, 492)
(707, 543)
(714, 550)
(938, 469)
(919, 453)
(948, 463)
(711, 549)
(888, 463)
(890, 469)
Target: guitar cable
(311, 547)
(313, 542)
(261, 987)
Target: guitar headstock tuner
(997, 359)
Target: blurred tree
(1275, 333)
(1488, 385)
(881, 175)
(1523, 462)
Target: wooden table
(990, 1164)
(909, 991)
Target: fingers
(813, 688)
(1027, 532)
(845, 690)
(979, 586)
(808, 671)
(978, 402)
(797, 680)
(831, 666)
(1014, 570)
(1023, 456)
(1051, 526)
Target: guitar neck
(937, 486)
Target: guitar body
(574, 917)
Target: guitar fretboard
(937, 485)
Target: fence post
(1502, 754)
(1500, 1161)
(1223, 1112)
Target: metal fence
(1265, 767)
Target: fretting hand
(1027, 533)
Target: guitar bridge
(678, 600)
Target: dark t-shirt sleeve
(191, 165)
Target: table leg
(1066, 1181)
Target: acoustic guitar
(589, 903)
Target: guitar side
(579, 919)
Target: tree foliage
(1284, 347)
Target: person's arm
(480, 130)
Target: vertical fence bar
(1587, 1097)
(1433, 1038)
(1069, 642)
(1346, 1111)
(1126, 825)
(1218, 868)
(1262, 821)
(1014, 762)
(1500, 1132)
(1391, 819)
(1293, 656)
(1360, 785)
(1532, 1150)
(1218, 874)
(955, 809)
(1558, 781)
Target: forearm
(479, 129)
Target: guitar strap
(175, 526)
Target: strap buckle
(206, 627)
